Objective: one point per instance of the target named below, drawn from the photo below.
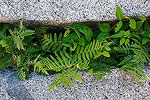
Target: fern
(21, 74)
(24, 64)
(65, 62)
(138, 50)
(126, 60)
(18, 35)
(135, 63)
(61, 62)
(34, 49)
(91, 51)
(52, 44)
(64, 78)
(6, 61)
(74, 51)
(21, 67)
(41, 30)
(123, 49)
(110, 61)
(101, 66)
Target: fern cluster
(16, 51)
(52, 43)
(124, 45)
(135, 61)
(66, 62)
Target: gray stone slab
(61, 12)
(19, 93)
(115, 86)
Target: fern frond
(135, 63)
(139, 51)
(126, 60)
(64, 78)
(107, 60)
(61, 62)
(123, 49)
(24, 63)
(91, 51)
(66, 62)
(53, 43)
(41, 30)
(99, 69)
(32, 49)
(6, 61)
(20, 73)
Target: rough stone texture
(116, 86)
(61, 12)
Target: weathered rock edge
(64, 12)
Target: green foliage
(134, 62)
(101, 66)
(5, 61)
(51, 44)
(73, 60)
(132, 23)
(81, 30)
(118, 26)
(124, 45)
(41, 30)
(16, 52)
(104, 27)
(119, 13)
(19, 34)
(25, 63)
(64, 78)
(3, 29)
(106, 54)
(102, 37)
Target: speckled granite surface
(116, 86)
(59, 12)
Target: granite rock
(114, 86)
(64, 12)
